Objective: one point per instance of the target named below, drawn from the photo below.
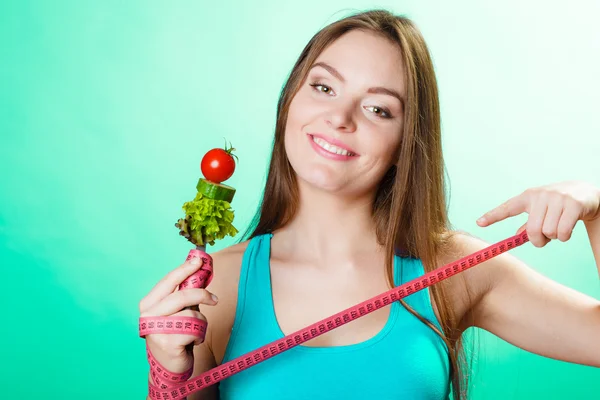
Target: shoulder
(231, 254)
(467, 289)
(460, 244)
(227, 264)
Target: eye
(382, 112)
(319, 87)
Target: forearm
(149, 381)
(593, 231)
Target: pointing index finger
(509, 208)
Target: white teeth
(330, 148)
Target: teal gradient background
(106, 109)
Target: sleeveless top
(405, 360)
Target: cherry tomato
(218, 164)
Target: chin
(317, 175)
(321, 180)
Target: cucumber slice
(216, 191)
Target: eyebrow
(375, 90)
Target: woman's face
(345, 122)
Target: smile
(330, 148)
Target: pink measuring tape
(169, 386)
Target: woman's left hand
(553, 210)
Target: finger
(169, 283)
(509, 208)
(553, 213)
(180, 299)
(567, 223)
(196, 314)
(522, 228)
(535, 223)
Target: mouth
(338, 148)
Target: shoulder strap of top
(251, 258)
(411, 268)
(250, 293)
(256, 256)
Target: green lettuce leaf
(206, 220)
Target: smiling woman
(349, 109)
(354, 204)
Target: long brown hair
(410, 208)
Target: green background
(106, 109)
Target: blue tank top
(405, 360)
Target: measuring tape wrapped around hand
(178, 386)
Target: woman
(354, 203)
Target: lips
(332, 145)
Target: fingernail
(481, 220)
(215, 298)
(195, 261)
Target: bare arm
(533, 312)
(224, 284)
(526, 308)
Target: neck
(330, 226)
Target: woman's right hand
(174, 351)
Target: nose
(341, 116)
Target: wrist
(592, 226)
(595, 219)
(593, 231)
(177, 363)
